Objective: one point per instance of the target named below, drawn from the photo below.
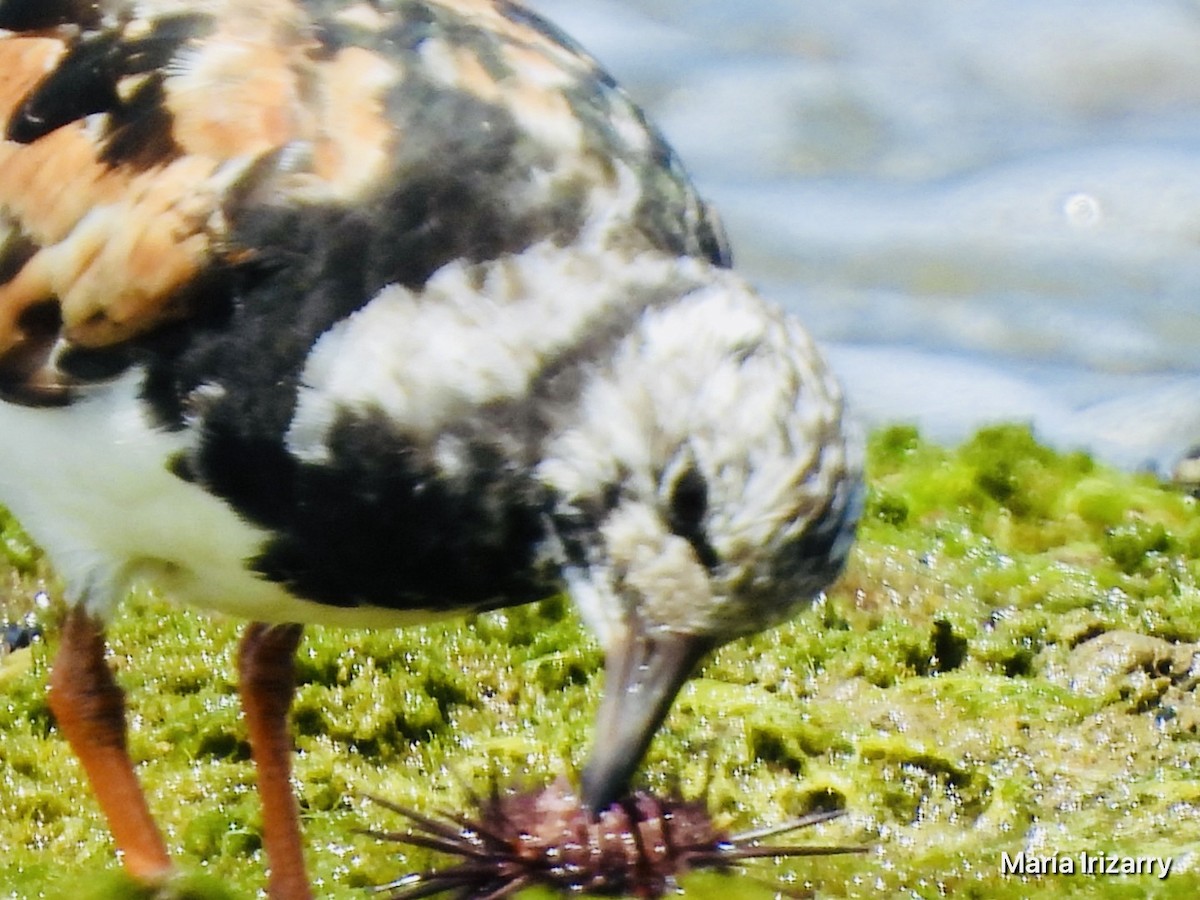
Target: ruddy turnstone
(367, 312)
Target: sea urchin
(547, 837)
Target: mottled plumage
(363, 313)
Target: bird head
(707, 490)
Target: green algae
(1007, 665)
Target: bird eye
(685, 515)
(688, 503)
(612, 495)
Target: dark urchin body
(637, 847)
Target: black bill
(643, 675)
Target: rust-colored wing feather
(114, 221)
(137, 134)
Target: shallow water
(985, 209)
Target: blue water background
(985, 209)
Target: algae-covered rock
(1129, 666)
(1006, 674)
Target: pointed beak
(643, 673)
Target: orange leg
(90, 708)
(266, 670)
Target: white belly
(90, 483)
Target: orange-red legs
(90, 708)
(266, 680)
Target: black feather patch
(23, 379)
(34, 15)
(168, 34)
(379, 525)
(139, 132)
(814, 557)
(15, 250)
(85, 82)
(94, 364)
